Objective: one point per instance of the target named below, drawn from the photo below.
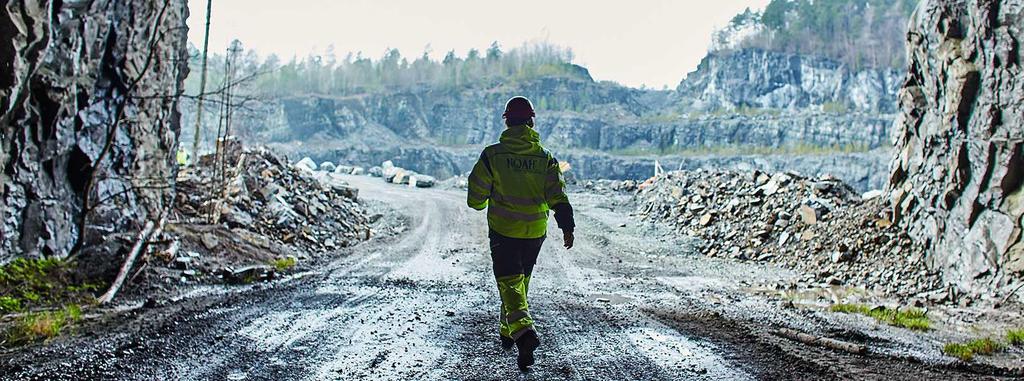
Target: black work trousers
(511, 256)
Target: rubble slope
(245, 216)
(818, 226)
(259, 197)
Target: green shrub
(35, 283)
(959, 351)
(985, 346)
(282, 264)
(9, 304)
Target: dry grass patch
(967, 351)
(910, 318)
(43, 325)
(1015, 337)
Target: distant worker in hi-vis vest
(518, 181)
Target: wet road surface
(624, 304)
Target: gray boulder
(422, 181)
(376, 172)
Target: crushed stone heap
(818, 226)
(265, 195)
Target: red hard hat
(518, 108)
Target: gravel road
(624, 304)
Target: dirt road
(625, 304)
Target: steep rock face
(468, 116)
(756, 78)
(737, 101)
(571, 114)
(957, 174)
(575, 115)
(89, 118)
(420, 130)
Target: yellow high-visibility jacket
(518, 181)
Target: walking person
(519, 182)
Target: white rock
(770, 188)
(781, 178)
(871, 194)
(306, 163)
(783, 238)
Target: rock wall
(89, 122)
(411, 127)
(590, 116)
(957, 174)
(736, 100)
(755, 78)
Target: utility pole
(202, 84)
(224, 130)
(234, 51)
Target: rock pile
(347, 170)
(818, 226)
(263, 194)
(399, 175)
(329, 167)
(456, 182)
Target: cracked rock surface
(89, 117)
(955, 181)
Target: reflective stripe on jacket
(518, 181)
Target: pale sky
(635, 42)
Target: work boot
(526, 344)
(507, 343)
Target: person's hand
(567, 238)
